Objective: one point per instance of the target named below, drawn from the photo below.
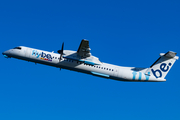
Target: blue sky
(125, 33)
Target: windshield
(17, 48)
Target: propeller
(61, 52)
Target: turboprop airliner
(83, 61)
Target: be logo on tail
(163, 68)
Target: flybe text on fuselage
(42, 55)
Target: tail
(161, 66)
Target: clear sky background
(121, 32)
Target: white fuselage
(102, 69)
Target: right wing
(84, 49)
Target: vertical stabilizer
(162, 65)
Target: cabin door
(27, 52)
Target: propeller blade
(62, 46)
(61, 52)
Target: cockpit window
(17, 48)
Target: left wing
(84, 49)
(83, 54)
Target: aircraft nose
(5, 54)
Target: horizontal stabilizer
(170, 54)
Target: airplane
(83, 61)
